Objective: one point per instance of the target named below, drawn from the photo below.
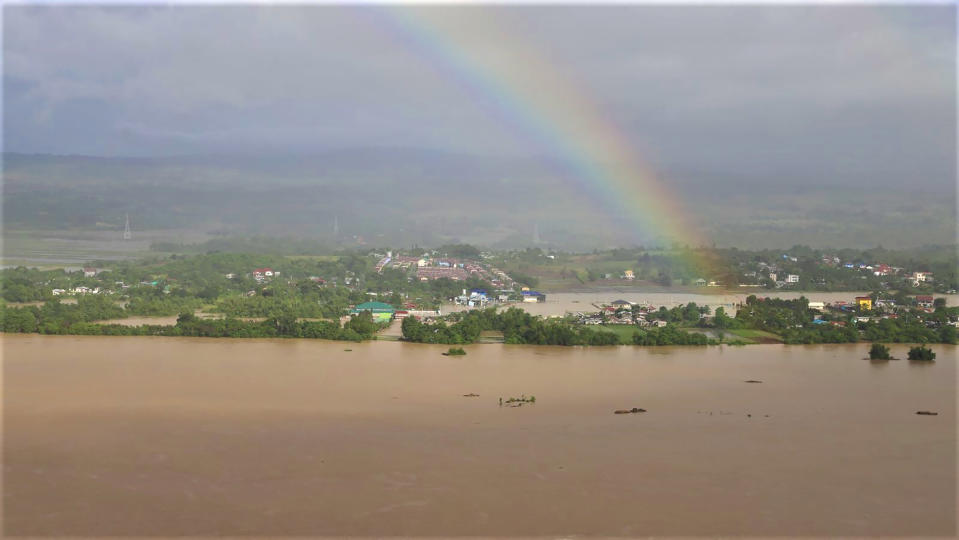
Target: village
(801, 272)
(786, 273)
(860, 309)
(430, 284)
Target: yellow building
(864, 303)
(628, 274)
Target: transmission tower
(127, 234)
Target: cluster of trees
(669, 335)
(53, 316)
(358, 328)
(18, 285)
(79, 319)
(922, 353)
(687, 315)
(519, 327)
(820, 333)
(878, 351)
(160, 305)
(774, 314)
(908, 328)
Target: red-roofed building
(262, 273)
(882, 270)
(924, 300)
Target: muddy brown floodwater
(166, 436)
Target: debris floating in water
(928, 413)
(629, 411)
(517, 401)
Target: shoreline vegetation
(324, 297)
(767, 320)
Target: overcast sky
(864, 93)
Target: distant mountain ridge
(403, 196)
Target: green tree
(922, 353)
(878, 351)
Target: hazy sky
(790, 93)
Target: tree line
(519, 327)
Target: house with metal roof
(381, 311)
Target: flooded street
(169, 436)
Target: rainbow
(533, 96)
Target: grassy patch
(754, 336)
(624, 331)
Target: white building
(792, 278)
(919, 277)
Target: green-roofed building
(381, 311)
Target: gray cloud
(794, 93)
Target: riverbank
(139, 436)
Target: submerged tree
(922, 353)
(878, 351)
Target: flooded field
(167, 436)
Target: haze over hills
(566, 126)
(384, 196)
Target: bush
(878, 351)
(922, 353)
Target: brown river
(141, 436)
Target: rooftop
(375, 307)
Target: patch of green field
(754, 336)
(624, 331)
